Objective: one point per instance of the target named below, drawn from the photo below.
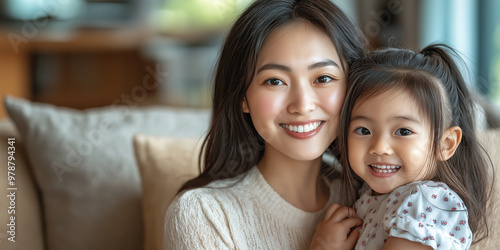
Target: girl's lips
(302, 130)
(383, 169)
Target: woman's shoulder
(191, 206)
(188, 198)
(199, 216)
(215, 195)
(202, 205)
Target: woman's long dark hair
(232, 145)
(433, 78)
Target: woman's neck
(298, 182)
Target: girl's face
(296, 93)
(389, 141)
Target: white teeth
(302, 128)
(385, 168)
(306, 128)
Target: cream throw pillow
(165, 164)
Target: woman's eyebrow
(274, 66)
(324, 63)
(281, 67)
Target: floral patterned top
(425, 211)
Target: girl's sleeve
(429, 213)
(193, 221)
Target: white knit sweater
(246, 215)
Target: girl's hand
(334, 231)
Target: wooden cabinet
(74, 68)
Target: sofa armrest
(20, 209)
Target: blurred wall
(84, 54)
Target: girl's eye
(362, 131)
(403, 132)
(323, 79)
(274, 82)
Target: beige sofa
(102, 178)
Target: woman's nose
(381, 146)
(302, 99)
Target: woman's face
(297, 91)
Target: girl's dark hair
(434, 80)
(232, 145)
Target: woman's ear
(244, 106)
(449, 143)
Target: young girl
(407, 130)
(279, 85)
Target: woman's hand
(334, 231)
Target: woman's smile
(302, 130)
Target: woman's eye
(362, 131)
(403, 132)
(274, 82)
(323, 79)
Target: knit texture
(240, 213)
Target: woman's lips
(302, 130)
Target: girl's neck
(298, 182)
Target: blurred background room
(91, 53)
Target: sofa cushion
(165, 164)
(25, 203)
(84, 166)
(489, 141)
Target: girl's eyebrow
(281, 67)
(400, 117)
(407, 117)
(360, 117)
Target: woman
(279, 86)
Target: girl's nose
(302, 99)
(380, 146)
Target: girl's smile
(384, 169)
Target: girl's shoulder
(428, 212)
(436, 194)
(432, 193)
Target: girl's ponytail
(466, 171)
